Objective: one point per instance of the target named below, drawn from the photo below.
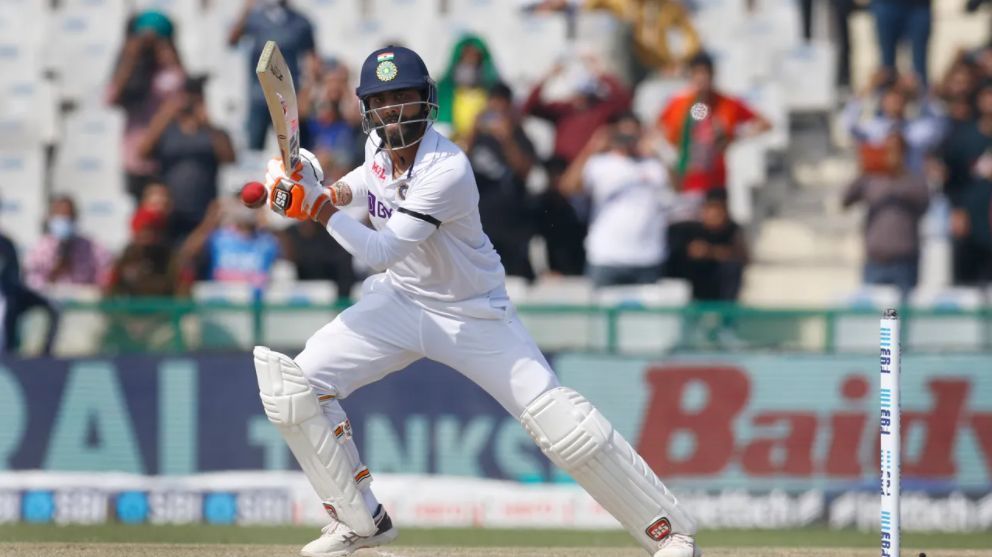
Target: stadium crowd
(624, 201)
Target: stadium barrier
(751, 440)
(183, 325)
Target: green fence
(157, 325)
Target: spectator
(982, 58)
(896, 200)
(63, 255)
(146, 268)
(16, 299)
(896, 20)
(964, 146)
(317, 256)
(155, 209)
(967, 158)
(461, 91)
(232, 246)
(841, 11)
(711, 252)
(957, 90)
(272, 20)
(972, 229)
(561, 219)
(921, 133)
(629, 190)
(148, 71)
(701, 123)
(330, 109)
(502, 157)
(596, 98)
(190, 151)
(653, 22)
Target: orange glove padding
(297, 196)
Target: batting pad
(577, 438)
(292, 406)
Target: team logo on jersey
(699, 111)
(401, 191)
(659, 529)
(386, 70)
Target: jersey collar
(427, 145)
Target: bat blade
(280, 96)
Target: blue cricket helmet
(390, 69)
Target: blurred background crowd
(706, 149)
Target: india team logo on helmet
(391, 69)
(386, 69)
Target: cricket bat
(280, 96)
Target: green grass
(468, 537)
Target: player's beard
(396, 135)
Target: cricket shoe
(679, 545)
(337, 540)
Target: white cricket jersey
(628, 220)
(456, 262)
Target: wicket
(889, 417)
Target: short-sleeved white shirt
(629, 197)
(457, 262)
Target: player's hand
(299, 195)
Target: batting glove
(299, 195)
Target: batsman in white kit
(440, 295)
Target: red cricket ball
(253, 194)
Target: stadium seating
(28, 118)
(22, 197)
(290, 329)
(945, 332)
(807, 73)
(559, 329)
(647, 333)
(90, 154)
(224, 327)
(86, 39)
(857, 333)
(80, 332)
(64, 51)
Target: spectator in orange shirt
(701, 123)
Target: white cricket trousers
(386, 331)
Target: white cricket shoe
(337, 540)
(679, 545)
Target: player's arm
(378, 249)
(441, 198)
(350, 189)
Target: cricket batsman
(440, 295)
